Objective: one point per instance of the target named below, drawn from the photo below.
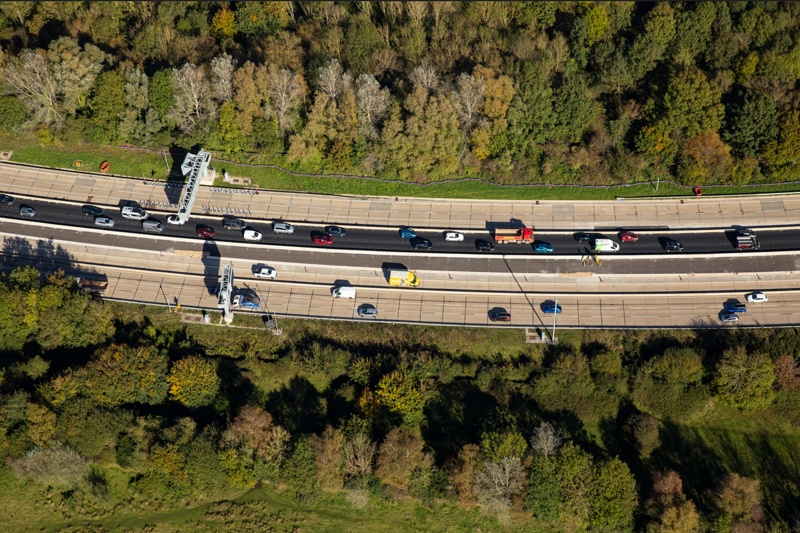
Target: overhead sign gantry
(195, 166)
(225, 291)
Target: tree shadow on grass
(703, 461)
(298, 407)
(456, 417)
(684, 450)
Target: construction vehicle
(605, 245)
(93, 286)
(403, 278)
(513, 235)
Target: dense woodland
(513, 92)
(107, 409)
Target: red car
(322, 239)
(628, 236)
(205, 231)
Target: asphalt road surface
(62, 215)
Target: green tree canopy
(744, 379)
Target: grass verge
(145, 164)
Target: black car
(673, 246)
(420, 243)
(335, 231)
(499, 316)
(234, 224)
(91, 210)
(6, 199)
(484, 246)
(582, 237)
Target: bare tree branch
(30, 81)
(285, 93)
(425, 75)
(546, 439)
(222, 68)
(373, 102)
(496, 483)
(193, 102)
(468, 98)
(359, 452)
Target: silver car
(282, 227)
(27, 211)
(729, 317)
(367, 311)
(103, 222)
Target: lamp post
(555, 314)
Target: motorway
(641, 286)
(62, 214)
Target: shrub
(56, 466)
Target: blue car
(246, 303)
(543, 248)
(551, 309)
(735, 307)
(407, 233)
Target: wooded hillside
(515, 92)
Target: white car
(453, 236)
(174, 219)
(103, 222)
(266, 272)
(757, 297)
(252, 235)
(133, 212)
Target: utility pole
(165, 296)
(555, 314)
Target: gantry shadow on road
(44, 255)
(211, 265)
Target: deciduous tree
(744, 379)
(193, 103)
(739, 498)
(399, 455)
(497, 482)
(643, 432)
(30, 80)
(373, 102)
(546, 440)
(329, 455)
(222, 68)
(468, 97)
(704, 159)
(425, 76)
(193, 381)
(613, 497)
(286, 91)
(223, 25)
(41, 424)
(75, 70)
(120, 374)
(359, 452)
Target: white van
(344, 292)
(135, 213)
(605, 245)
